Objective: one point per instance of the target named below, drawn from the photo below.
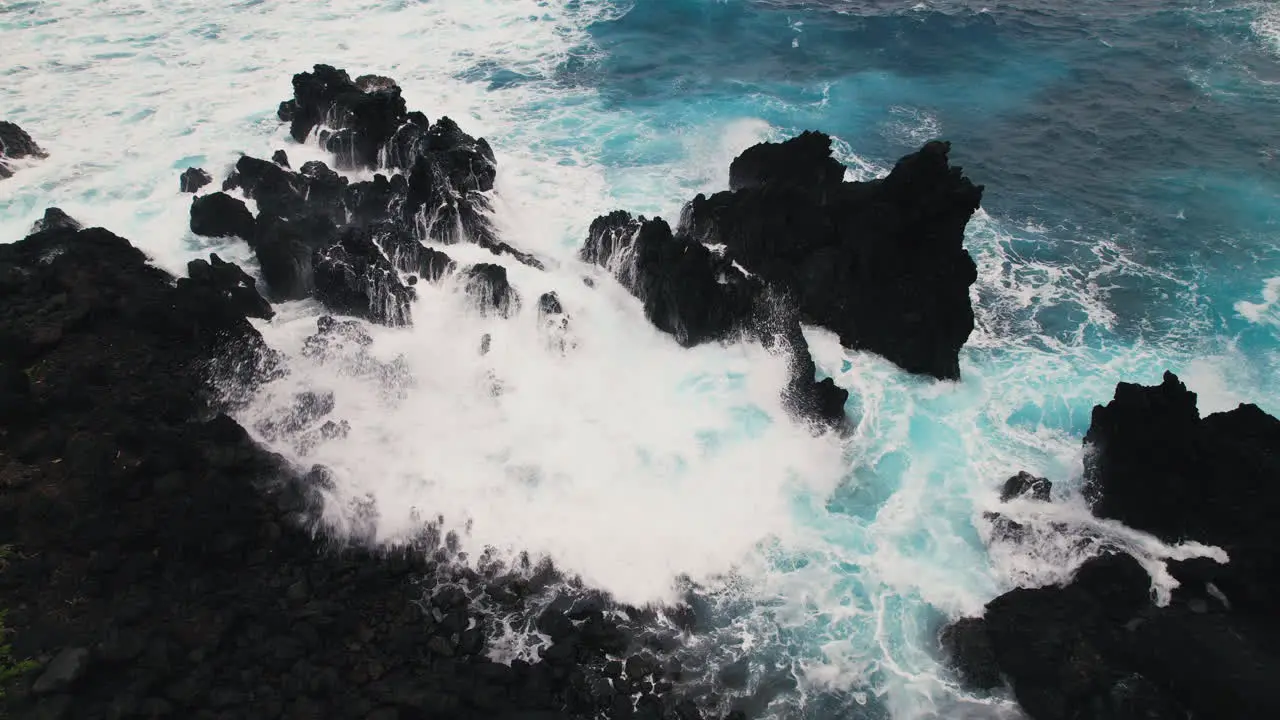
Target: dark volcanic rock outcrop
(1156, 465)
(487, 286)
(15, 144)
(358, 247)
(366, 124)
(880, 263)
(1099, 647)
(220, 215)
(192, 179)
(162, 564)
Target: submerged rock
(16, 144)
(1099, 646)
(1024, 484)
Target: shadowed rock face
(220, 215)
(698, 296)
(15, 144)
(1098, 647)
(880, 263)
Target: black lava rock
(1024, 484)
(1157, 466)
(55, 219)
(16, 144)
(880, 263)
(698, 296)
(220, 215)
(192, 179)
(487, 286)
(240, 289)
(359, 247)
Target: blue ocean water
(1131, 224)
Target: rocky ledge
(1100, 647)
(15, 144)
(880, 263)
(160, 564)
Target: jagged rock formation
(698, 296)
(15, 144)
(1099, 647)
(880, 263)
(358, 247)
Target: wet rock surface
(15, 144)
(192, 179)
(359, 247)
(698, 296)
(166, 566)
(220, 215)
(1099, 647)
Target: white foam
(624, 459)
(1267, 26)
(1266, 312)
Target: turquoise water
(1131, 224)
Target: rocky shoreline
(163, 564)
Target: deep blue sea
(1130, 151)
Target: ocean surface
(1130, 151)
